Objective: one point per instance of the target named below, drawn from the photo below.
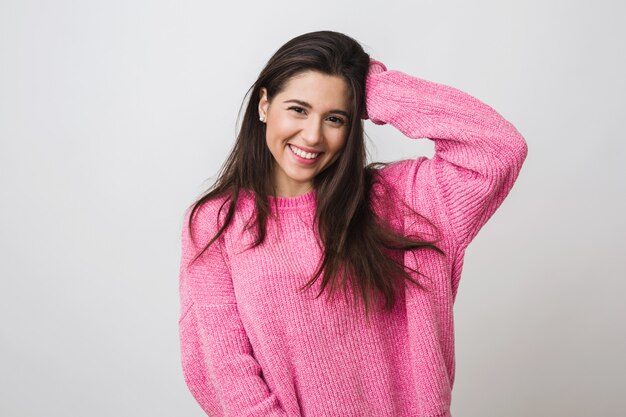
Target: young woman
(297, 213)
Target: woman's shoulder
(393, 176)
(207, 213)
(210, 213)
(394, 186)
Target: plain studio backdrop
(115, 115)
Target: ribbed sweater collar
(305, 200)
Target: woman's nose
(312, 132)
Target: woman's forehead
(317, 90)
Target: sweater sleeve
(218, 363)
(478, 154)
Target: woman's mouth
(302, 154)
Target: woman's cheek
(288, 125)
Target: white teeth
(303, 154)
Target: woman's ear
(263, 103)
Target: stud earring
(262, 118)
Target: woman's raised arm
(478, 154)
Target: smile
(303, 154)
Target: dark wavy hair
(360, 247)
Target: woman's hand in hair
(375, 67)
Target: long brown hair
(359, 246)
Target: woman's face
(307, 126)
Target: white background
(115, 115)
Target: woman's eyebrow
(308, 106)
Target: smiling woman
(295, 202)
(305, 139)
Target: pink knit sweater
(253, 345)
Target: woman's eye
(337, 120)
(297, 109)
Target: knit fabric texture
(253, 344)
